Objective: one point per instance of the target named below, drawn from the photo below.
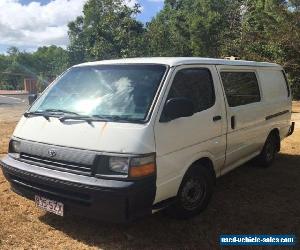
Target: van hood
(100, 136)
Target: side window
(195, 84)
(241, 88)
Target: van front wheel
(194, 193)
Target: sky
(29, 24)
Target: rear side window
(287, 83)
(241, 88)
(195, 84)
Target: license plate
(50, 205)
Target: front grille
(57, 164)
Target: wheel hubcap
(193, 193)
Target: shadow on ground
(249, 200)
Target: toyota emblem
(51, 152)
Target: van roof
(176, 61)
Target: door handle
(233, 122)
(217, 118)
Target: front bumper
(107, 200)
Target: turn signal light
(142, 171)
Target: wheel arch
(203, 162)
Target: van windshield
(110, 91)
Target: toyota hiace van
(119, 139)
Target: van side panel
(276, 100)
(254, 121)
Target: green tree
(45, 64)
(13, 71)
(192, 28)
(106, 30)
(50, 61)
(168, 33)
(270, 31)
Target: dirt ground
(248, 200)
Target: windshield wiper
(29, 114)
(48, 112)
(103, 117)
(88, 119)
(123, 118)
(115, 118)
(60, 111)
(95, 118)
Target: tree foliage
(106, 30)
(271, 32)
(44, 64)
(190, 28)
(262, 30)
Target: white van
(119, 139)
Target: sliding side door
(245, 114)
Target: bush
(6, 87)
(296, 90)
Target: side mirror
(32, 98)
(176, 108)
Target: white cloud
(130, 3)
(34, 24)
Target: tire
(194, 193)
(269, 152)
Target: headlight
(133, 167)
(119, 164)
(14, 148)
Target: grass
(247, 200)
